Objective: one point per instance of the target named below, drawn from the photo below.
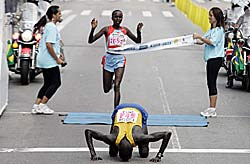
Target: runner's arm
(90, 134)
(132, 36)
(165, 136)
(92, 37)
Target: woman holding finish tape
(213, 55)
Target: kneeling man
(129, 129)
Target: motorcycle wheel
(32, 75)
(248, 79)
(225, 64)
(230, 81)
(25, 72)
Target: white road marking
(156, 0)
(200, 1)
(106, 13)
(99, 149)
(141, 0)
(86, 12)
(65, 22)
(166, 108)
(146, 13)
(167, 14)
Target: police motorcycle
(239, 65)
(246, 49)
(25, 44)
(232, 38)
(231, 16)
(229, 44)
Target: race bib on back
(126, 116)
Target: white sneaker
(209, 112)
(45, 109)
(35, 109)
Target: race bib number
(127, 116)
(117, 40)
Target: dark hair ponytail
(52, 10)
(41, 23)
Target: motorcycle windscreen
(43, 7)
(29, 15)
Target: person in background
(114, 64)
(48, 60)
(244, 21)
(232, 14)
(213, 55)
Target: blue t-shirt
(217, 37)
(50, 35)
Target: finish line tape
(154, 45)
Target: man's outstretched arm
(165, 136)
(90, 134)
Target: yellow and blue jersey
(125, 117)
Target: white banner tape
(154, 45)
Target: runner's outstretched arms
(93, 38)
(139, 138)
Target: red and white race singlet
(116, 37)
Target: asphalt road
(167, 81)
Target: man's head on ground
(125, 149)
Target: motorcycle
(231, 16)
(229, 44)
(246, 54)
(239, 61)
(25, 44)
(232, 36)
